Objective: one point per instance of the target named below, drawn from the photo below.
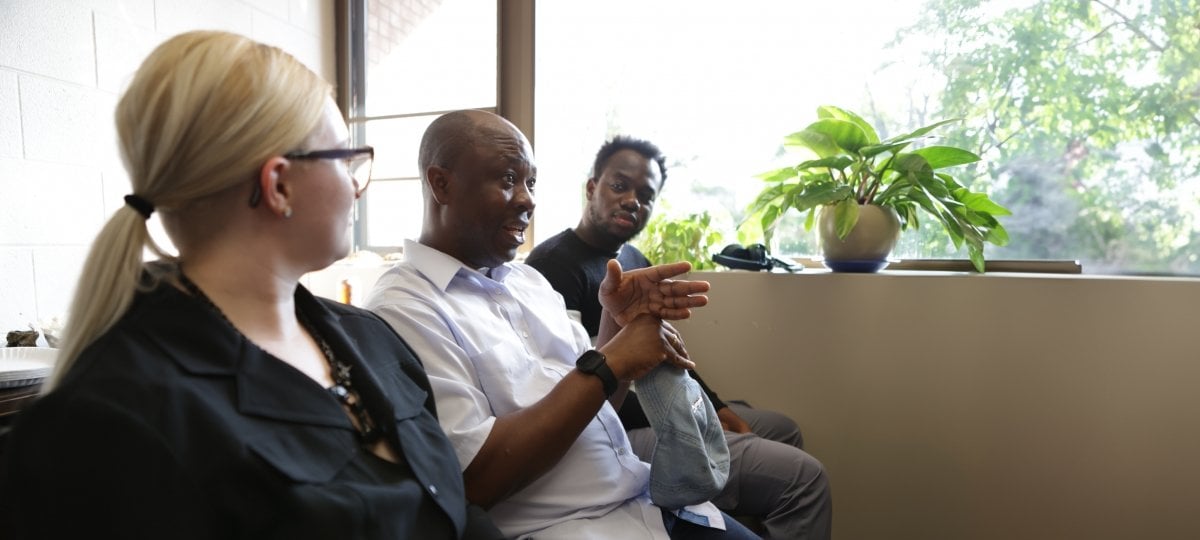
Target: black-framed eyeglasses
(358, 164)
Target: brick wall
(389, 22)
(63, 64)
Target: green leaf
(912, 162)
(820, 195)
(957, 233)
(832, 162)
(948, 180)
(778, 175)
(819, 143)
(998, 235)
(945, 156)
(912, 218)
(845, 217)
(975, 252)
(876, 149)
(846, 135)
(830, 111)
(980, 202)
(772, 194)
(769, 216)
(921, 131)
(931, 184)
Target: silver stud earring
(287, 212)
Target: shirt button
(432, 489)
(620, 451)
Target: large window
(1086, 112)
(415, 61)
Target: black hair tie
(142, 206)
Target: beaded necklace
(343, 385)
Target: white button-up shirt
(492, 346)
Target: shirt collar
(440, 268)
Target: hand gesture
(650, 291)
(642, 345)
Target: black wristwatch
(593, 362)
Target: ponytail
(203, 112)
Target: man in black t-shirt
(771, 478)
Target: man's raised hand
(625, 295)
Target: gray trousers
(770, 477)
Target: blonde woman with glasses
(208, 395)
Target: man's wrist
(594, 362)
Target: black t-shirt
(576, 269)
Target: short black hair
(623, 142)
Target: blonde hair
(202, 114)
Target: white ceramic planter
(868, 244)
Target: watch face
(593, 362)
(590, 361)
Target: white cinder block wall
(63, 64)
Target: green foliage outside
(690, 237)
(1087, 116)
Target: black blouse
(174, 425)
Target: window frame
(514, 87)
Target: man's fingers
(614, 268)
(612, 276)
(682, 362)
(674, 314)
(683, 288)
(670, 270)
(680, 302)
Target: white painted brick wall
(63, 64)
(138, 12)
(10, 116)
(58, 120)
(17, 295)
(48, 204)
(310, 16)
(55, 271)
(52, 38)
(175, 16)
(121, 45)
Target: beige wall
(956, 406)
(62, 66)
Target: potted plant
(686, 238)
(855, 178)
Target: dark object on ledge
(753, 257)
(23, 338)
(1055, 266)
